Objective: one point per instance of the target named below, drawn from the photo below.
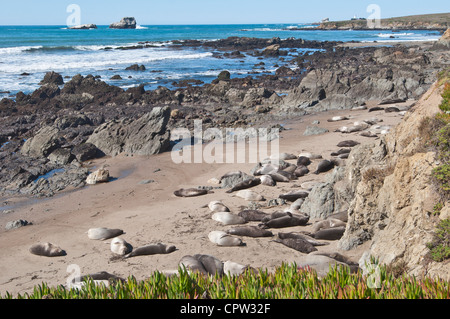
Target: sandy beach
(150, 213)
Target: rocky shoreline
(61, 125)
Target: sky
(158, 12)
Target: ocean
(28, 52)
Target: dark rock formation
(125, 23)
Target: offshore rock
(125, 23)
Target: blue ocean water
(28, 52)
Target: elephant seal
(266, 169)
(231, 268)
(326, 224)
(289, 220)
(205, 264)
(267, 180)
(103, 233)
(338, 118)
(298, 244)
(252, 215)
(279, 178)
(283, 156)
(343, 216)
(192, 264)
(295, 206)
(274, 215)
(100, 276)
(224, 239)
(290, 176)
(47, 250)
(303, 161)
(249, 195)
(338, 257)
(341, 151)
(368, 134)
(228, 218)
(301, 171)
(120, 247)
(294, 195)
(153, 249)
(218, 207)
(324, 166)
(250, 231)
(348, 143)
(296, 235)
(330, 233)
(248, 183)
(191, 192)
(376, 108)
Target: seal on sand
(228, 218)
(279, 178)
(298, 244)
(103, 233)
(191, 192)
(292, 196)
(248, 183)
(296, 235)
(232, 268)
(120, 247)
(250, 231)
(205, 264)
(249, 195)
(326, 224)
(152, 249)
(324, 166)
(252, 215)
(289, 220)
(330, 233)
(217, 206)
(348, 143)
(221, 238)
(301, 171)
(47, 250)
(267, 180)
(303, 161)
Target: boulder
(52, 78)
(136, 67)
(315, 130)
(99, 176)
(445, 39)
(84, 27)
(147, 135)
(61, 156)
(42, 144)
(16, 224)
(224, 76)
(86, 151)
(125, 23)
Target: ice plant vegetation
(287, 282)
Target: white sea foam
(139, 27)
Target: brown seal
(191, 192)
(153, 249)
(248, 183)
(250, 231)
(47, 250)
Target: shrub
(440, 246)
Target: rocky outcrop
(445, 39)
(84, 27)
(381, 74)
(125, 23)
(42, 144)
(147, 135)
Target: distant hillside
(439, 21)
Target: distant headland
(439, 21)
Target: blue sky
(155, 12)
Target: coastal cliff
(394, 198)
